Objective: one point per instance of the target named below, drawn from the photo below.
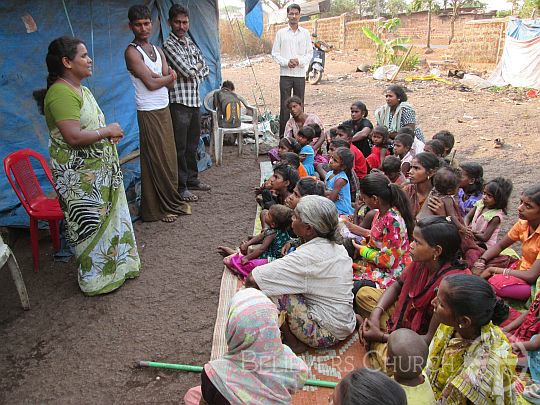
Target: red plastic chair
(22, 178)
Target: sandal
(169, 218)
(188, 196)
(200, 186)
(498, 143)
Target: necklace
(150, 51)
(78, 90)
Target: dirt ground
(72, 349)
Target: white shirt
(148, 100)
(290, 44)
(321, 271)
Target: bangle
(381, 308)
(481, 258)
(506, 272)
(99, 135)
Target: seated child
(322, 169)
(316, 144)
(471, 183)
(445, 186)
(285, 145)
(484, 220)
(391, 167)
(305, 186)
(379, 138)
(293, 160)
(337, 182)
(402, 149)
(407, 357)
(271, 240)
(361, 127)
(364, 386)
(278, 187)
(359, 166)
(448, 140)
(418, 145)
(435, 146)
(307, 154)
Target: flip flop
(188, 196)
(169, 218)
(498, 143)
(200, 187)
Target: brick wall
(479, 42)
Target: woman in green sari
(86, 171)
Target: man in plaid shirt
(187, 60)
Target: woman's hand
(285, 249)
(356, 245)
(436, 206)
(113, 132)
(371, 332)
(488, 272)
(244, 247)
(244, 260)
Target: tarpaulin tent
(520, 63)
(28, 28)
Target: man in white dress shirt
(292, 50)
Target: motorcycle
(316, 66)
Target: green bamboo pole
(198, 369)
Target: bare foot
(225, 251)
(169, 218)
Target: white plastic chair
(218, 133)
(7, 257)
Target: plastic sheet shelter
(27, 29)
(520, 62)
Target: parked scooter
(316, 66)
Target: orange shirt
(530, 244)
(302, 172)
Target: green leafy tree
(456, 6)
(338, 7)
(395, 7)
(387, 51)
(430, 6)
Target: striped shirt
(183, 56)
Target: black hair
(63, 47)
(476, 173)
(307, 132)
(362, 107)
(310, 186)
(399, 92)
(228, 85)
(293, 6)
(347, 159)
(290, 143)
(472, 296)
(446, 180)
(282, 216)
(406, 139)
(533, 193)
(445, 137)
(288, 173)
(428, 160)
(391, 164)
(332, 132)
(406, 130)
(139, 12)
(291, 158)
(177, 9)
(317, 128)
(349, 131)
(340, 143)
(364, 386)
(439, 231)
(293, 99)
(438, 147)
(379, 185)
(501, 189)
(384, 132)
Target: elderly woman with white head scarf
(313, 284)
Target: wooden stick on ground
(131, 156)
(401, 64)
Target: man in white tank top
(151, 77)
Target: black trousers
(288, 84)
(187, 131)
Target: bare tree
(457, 5)
(429, 5)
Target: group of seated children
(428, 266)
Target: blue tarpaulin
(103, 26)
(254, 19)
